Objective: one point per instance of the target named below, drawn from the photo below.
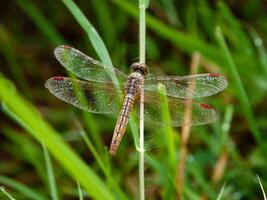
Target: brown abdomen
(121, 123)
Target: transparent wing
(182, 112)
(86, 67)
(90, 96)
(180, 86)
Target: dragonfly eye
(141, 67)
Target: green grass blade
(262, 189)
(221, 192)
(2, 188)
(104, 166)
(22, 189)
(42, 131)
(32, 153)
(50, 174)
(234, 30)
(93, 35)
(80, 191)
(258, 41)
(7, 42)
(238, 86)
(104, 19)
(171, 12)
(169, 142)
(169, 135)
(43, 24)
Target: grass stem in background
(80, 192)
(168, 140)
(3, 189)
(40, 20)
(243, 98)
(24, 190)
(8, 41)
(50, 173)
(221, 163)
(185, 132)
(221, 192)
(262, 189)
(104, 166)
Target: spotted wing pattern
(178, 108)
(86, 67)
(179, 86)
(90, 96)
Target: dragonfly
(97, 92)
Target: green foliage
(230, 151)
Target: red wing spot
(206, 106)
(58, 78)
(214, 75)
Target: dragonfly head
(139, 67)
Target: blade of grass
(105, 22)
(169, 135)
(27, 147)
(203, 14)
(3, 189)
(169, 142)
(50, 173)
(42, 131)
(221, 192)
(7, 46)
(191, 19)
(22, 189)
(104, 166)
(221, 163)
(93, 35)
(43, 24)
(171, 12)
(231, 68)
(234, 29)
(258, 42)
(262, 189)
(79, 191)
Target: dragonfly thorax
(133, 82)
(139, 67)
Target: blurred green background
(231, 151)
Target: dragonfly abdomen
(122, 123)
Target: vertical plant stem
(142, 59)
(80, 191)
(262, 189)
(239, 88)
(185, 132)
(50, 173)
(221, 163)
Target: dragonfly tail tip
(112, 152)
